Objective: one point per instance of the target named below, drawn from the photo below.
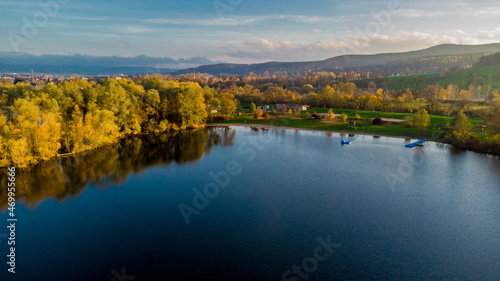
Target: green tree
(275, 95)
(227, 103)
(187, 104)
(422, 119)
(253, 108)
(343, 117)
(460, 124)
(306, 89)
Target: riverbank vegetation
(40, 123)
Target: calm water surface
(392, 213)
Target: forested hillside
(434, 59)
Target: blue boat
(417, 143)
(345, 142)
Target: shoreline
(305, 129)
(356, 133)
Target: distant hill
(11, 62)
(433, 59)
(80, 70)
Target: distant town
(38, 80)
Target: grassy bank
(363, 124)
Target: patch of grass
(364, 125)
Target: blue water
(393, 213)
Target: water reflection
(69, 176)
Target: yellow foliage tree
(330, 115)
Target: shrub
(266, 116)
(315, 116)
(343, 117)
(253, 108)
(330, 115)
(308, 115)
(257, 114)
(408, 122)
(222, 117)
(496, 138)
(378, 121)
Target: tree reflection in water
(69, 176)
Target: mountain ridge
(349, 62)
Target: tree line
(76, 115)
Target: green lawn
(364, 125)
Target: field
(363, 124)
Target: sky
(242, 31)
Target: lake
(246, 203)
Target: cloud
(243, 20)
(491, 35)
(136, 29)
(262, 50)
(226, 21)
(86, 18)
(458, 11)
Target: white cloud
(227, 21)
(262, 50)
(243, 20)
(457, 11)
(87, 18)
(490, 36)
(136, 29)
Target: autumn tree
(330, 115)
(422, 119)
(460, 124)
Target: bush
(343, 117)
(222, 117)
(253, 108)
(308, 115)
(378, 121)
(408, 122)
(315, 116)
(422, 119)
(258, 114)
(496, 138)
(266, 116)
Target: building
(294, 107)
